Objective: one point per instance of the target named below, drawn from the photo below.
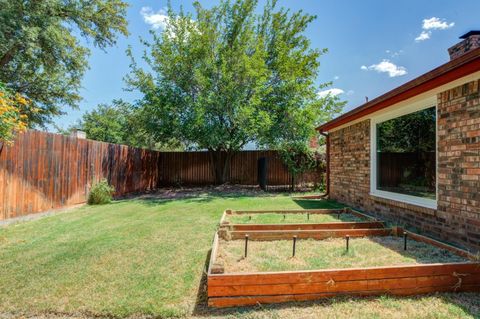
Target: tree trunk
(220, 161)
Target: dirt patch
(221, 190)
(330, 253)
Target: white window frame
(388, 115)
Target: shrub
(101, 193)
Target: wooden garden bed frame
(246, 289)
(369, 227)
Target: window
(404, 157)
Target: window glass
(406, 158)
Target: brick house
(412, 155)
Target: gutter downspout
(327, 181)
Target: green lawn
(147, 257)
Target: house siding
(457, 217)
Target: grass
(329, 253)
(274, 218)
(146, 257)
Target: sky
(373, 45)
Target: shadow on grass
(201, 306)
(318, 204)
(208, 194)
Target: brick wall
(457, 219)
(459, 161)
(350, 164)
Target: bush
(101, 193)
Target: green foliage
(298, 158)
(101, 193)
(229, 76)
(120, 123)
(410, 133)
(41, 57)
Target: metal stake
(347, 238)
(250, 217)
(404, 240)
(246, 245)
(308, 216)
(294, 244)
(283, 216)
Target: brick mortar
(457, 218)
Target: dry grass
(144, 258)
(275, 218)
(437, 306)
(330, 253)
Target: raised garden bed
(308, 223)
(373, 265)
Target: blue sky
(374, 45)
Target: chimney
(471, 41)
(78, 134)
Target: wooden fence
(43, 171)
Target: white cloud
(158, 20)
(350, 92)
(336, 77)
(331, 92)
(433, 23)
(436, 24)
(386, 67)
(425, 35)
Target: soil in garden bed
(328, 253)
(276, 218)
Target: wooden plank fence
(43, 171)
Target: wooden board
(305, 226)
(245, 289)
(290, 211)
(308, 234)
(224, 302)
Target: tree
(298, 158)
(40, 55)
(230, 76)
(118, 123)
(13, 115)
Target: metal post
(250, 217)
(294, 244)
(308, 216)
(404, 240)
(246, 246)
(283, 216)
(347, 238)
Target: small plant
(101, 193)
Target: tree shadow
(318, 204)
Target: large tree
(227, 76)
(41, 57)
(120, 122)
